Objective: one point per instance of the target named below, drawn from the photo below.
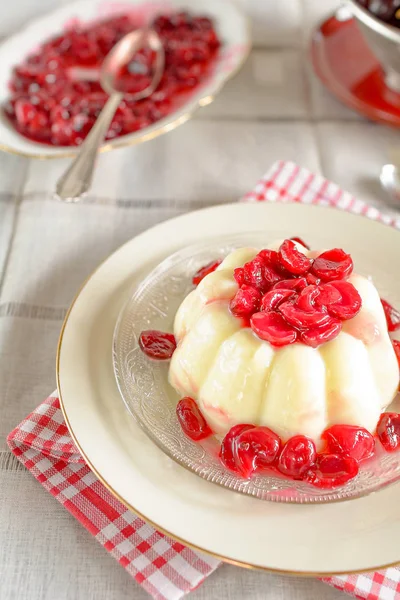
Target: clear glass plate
(150, 399)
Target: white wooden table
(274, 109)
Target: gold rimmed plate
(231, 25)
(312, 540)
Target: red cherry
(298, 455)
(272, 259)
(298, 284)
(312, 279)
(191, 420)
(272, 299)
(396, 348)
(292, 259)
(333, 264)
(228, 451)
(340, 298)
(256, 449)
(259, 275)
(300, 241)
(301, 318)
(307, 299)
(331, 470)
(238, 274)
(206, 270)
(273, 328)
(388, 431)
(245, 302)
(349, 440)
(157, 344)
(314, 337)
(392, 316)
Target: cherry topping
(238, 274)
(273, 328)
(307, 298)
(392, 316)
(292, 259)
(297, 284)
(297, 456)
(228, 450)
(302, 319)
(331, 470)
(333, 264)
(206, 270)
(157, 344)
(312, 279)
(388, 431)
(272, 299)
(245, 302)
(300, 241)
(341, 299)
(259, 275)
(349, 440)
(191, 420)
(314, 337)
(256, 449)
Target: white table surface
(274, 109)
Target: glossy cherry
(292, 259)
(228, 450)
(388, 431)
(322, 334)
(259, 275)
(331, 470)
(157, 344)
(340, 298)
(256, 449)
(191, 420)
(298, 284)
(349, 440)
(272, 299)
(302, 319)
(297, 456)
(206, 270)
(392, 316)
(245, 302)
(333, 264)
(273, 328)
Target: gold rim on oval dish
(156, 526)
(145, 137)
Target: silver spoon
(77, 180)
(390, 181)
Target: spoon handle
(77, 180)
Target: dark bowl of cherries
(379, 21)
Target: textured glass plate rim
(339, 494)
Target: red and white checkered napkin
(165, 568)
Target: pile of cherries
(49, 104)
(385, 10)
(287, 297)
(248, 449)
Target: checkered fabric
(165, 568)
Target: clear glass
(150, 399)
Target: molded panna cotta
(292, 359)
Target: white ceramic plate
(312, 539)
(231, 26)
